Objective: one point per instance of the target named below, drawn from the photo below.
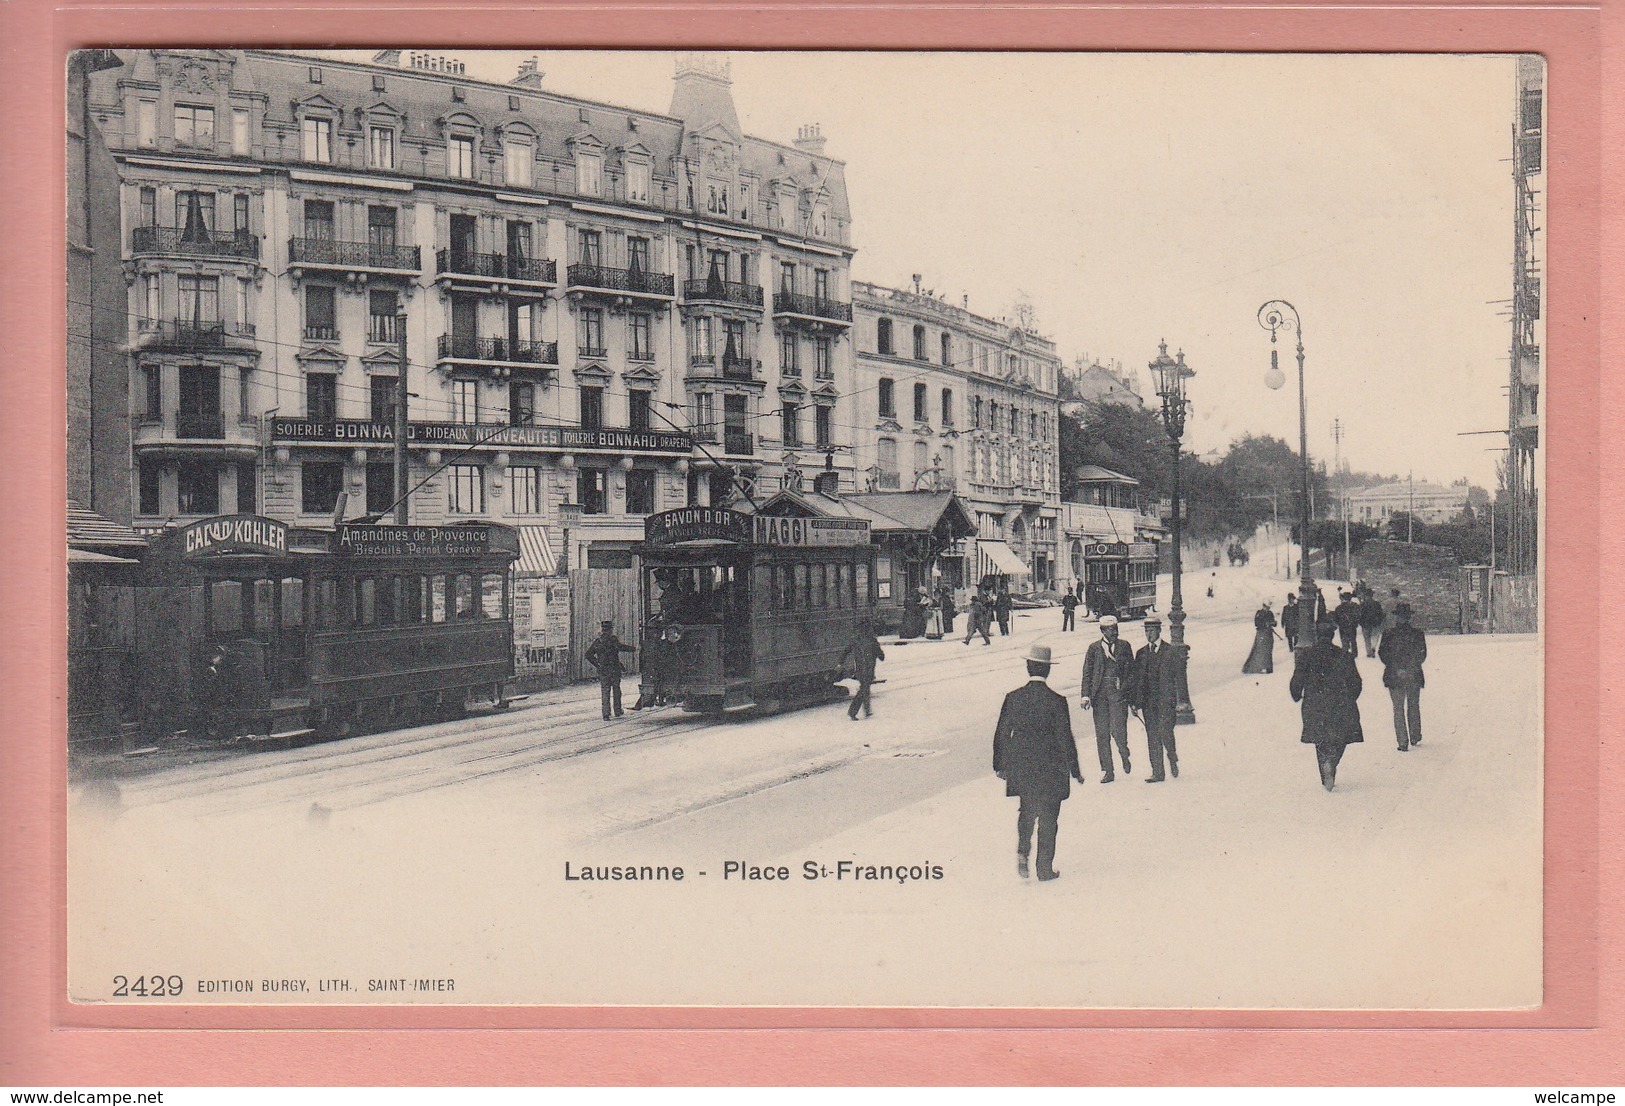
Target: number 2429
(158, 986)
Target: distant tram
(1124, 572)
(750, 610)
(261, 628)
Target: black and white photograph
(829, 529)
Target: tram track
(484, 749)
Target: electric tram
(1124, 572)
(257, 628)
(746, 610)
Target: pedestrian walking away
(1372, 616)
(1069, 611)
(1403, 651)
(656, 664)
(1347, 617)
(1155, 697)
(945, 599)
(978, 619)
(863, 652)
(1262, 657)
(604, 654)
(1327, 682)
(1036, 756)
(1108, 665)
(1001, 609)
(1289, 621)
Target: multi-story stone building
(947, 398)
(607, 312)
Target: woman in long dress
(1262, 658)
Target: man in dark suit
(1107, 666)
(1403, 650)
(1154, 696)
(604, 654)
(864, 651)
(1036, 757)
(1347, 617)
(1327, 682)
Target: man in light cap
(1107, 666)
(1155, 697)
(1036, 757)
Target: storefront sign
(811, 531)
(412, 541)
(364, 431)
(234, 534)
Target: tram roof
(886, 512)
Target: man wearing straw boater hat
(1035, 756)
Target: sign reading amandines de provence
(365, 540)
(721, 524)
(363, 431)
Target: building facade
(605, 311)
(1092, 382)
(1426, 502)
(950, 400)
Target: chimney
(827, 483)
(810, 137)
(916, 284)
(529, 76)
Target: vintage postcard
(841, 529)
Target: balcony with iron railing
(725, 367)
(177, 240)
(503, 351)
(184, 430)
(739, 443)
(451, 264)
(331, 253)
(815, 312)
(587, 279)
(727, 292)
(194, 335)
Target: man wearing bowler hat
(1036, 757)
(1155, 697)
(1107, 666)
(1403, 651)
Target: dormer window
(194, 126)
(381, 147)
(787, 208)
(316, 139)
(589, 173)
(820, 221)
(638, 180)
(518, 158)
(460, 156)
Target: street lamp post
(1170, 373)
(1273, 316)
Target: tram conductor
(604, 654)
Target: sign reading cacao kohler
(412, 541)
(362, 431)
(234, 534)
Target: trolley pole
(401, 424)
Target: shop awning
(1003, 558)
(536, 552)
(87, 557)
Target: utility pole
(1342, 496)
(1410, 513)
(401, 424)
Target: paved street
(440, 851)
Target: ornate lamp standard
(1273, 316)
(1170, 373)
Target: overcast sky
(1139, 197)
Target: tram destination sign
(430, 434)
(720, 524)
(364, 540)
(1108, 549)
(234, 534)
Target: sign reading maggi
(234, 534)
(720, 524)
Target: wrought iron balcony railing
(199, 424)
(722, 291)
(353, 255)
(741, 443)
(463, 347)
(191, 243)
(189, 334)
(740, 368)
(798, 303)
(582, 275)
(496, 266)
(706, 434)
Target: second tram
(750, 610)
(1124, 573)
